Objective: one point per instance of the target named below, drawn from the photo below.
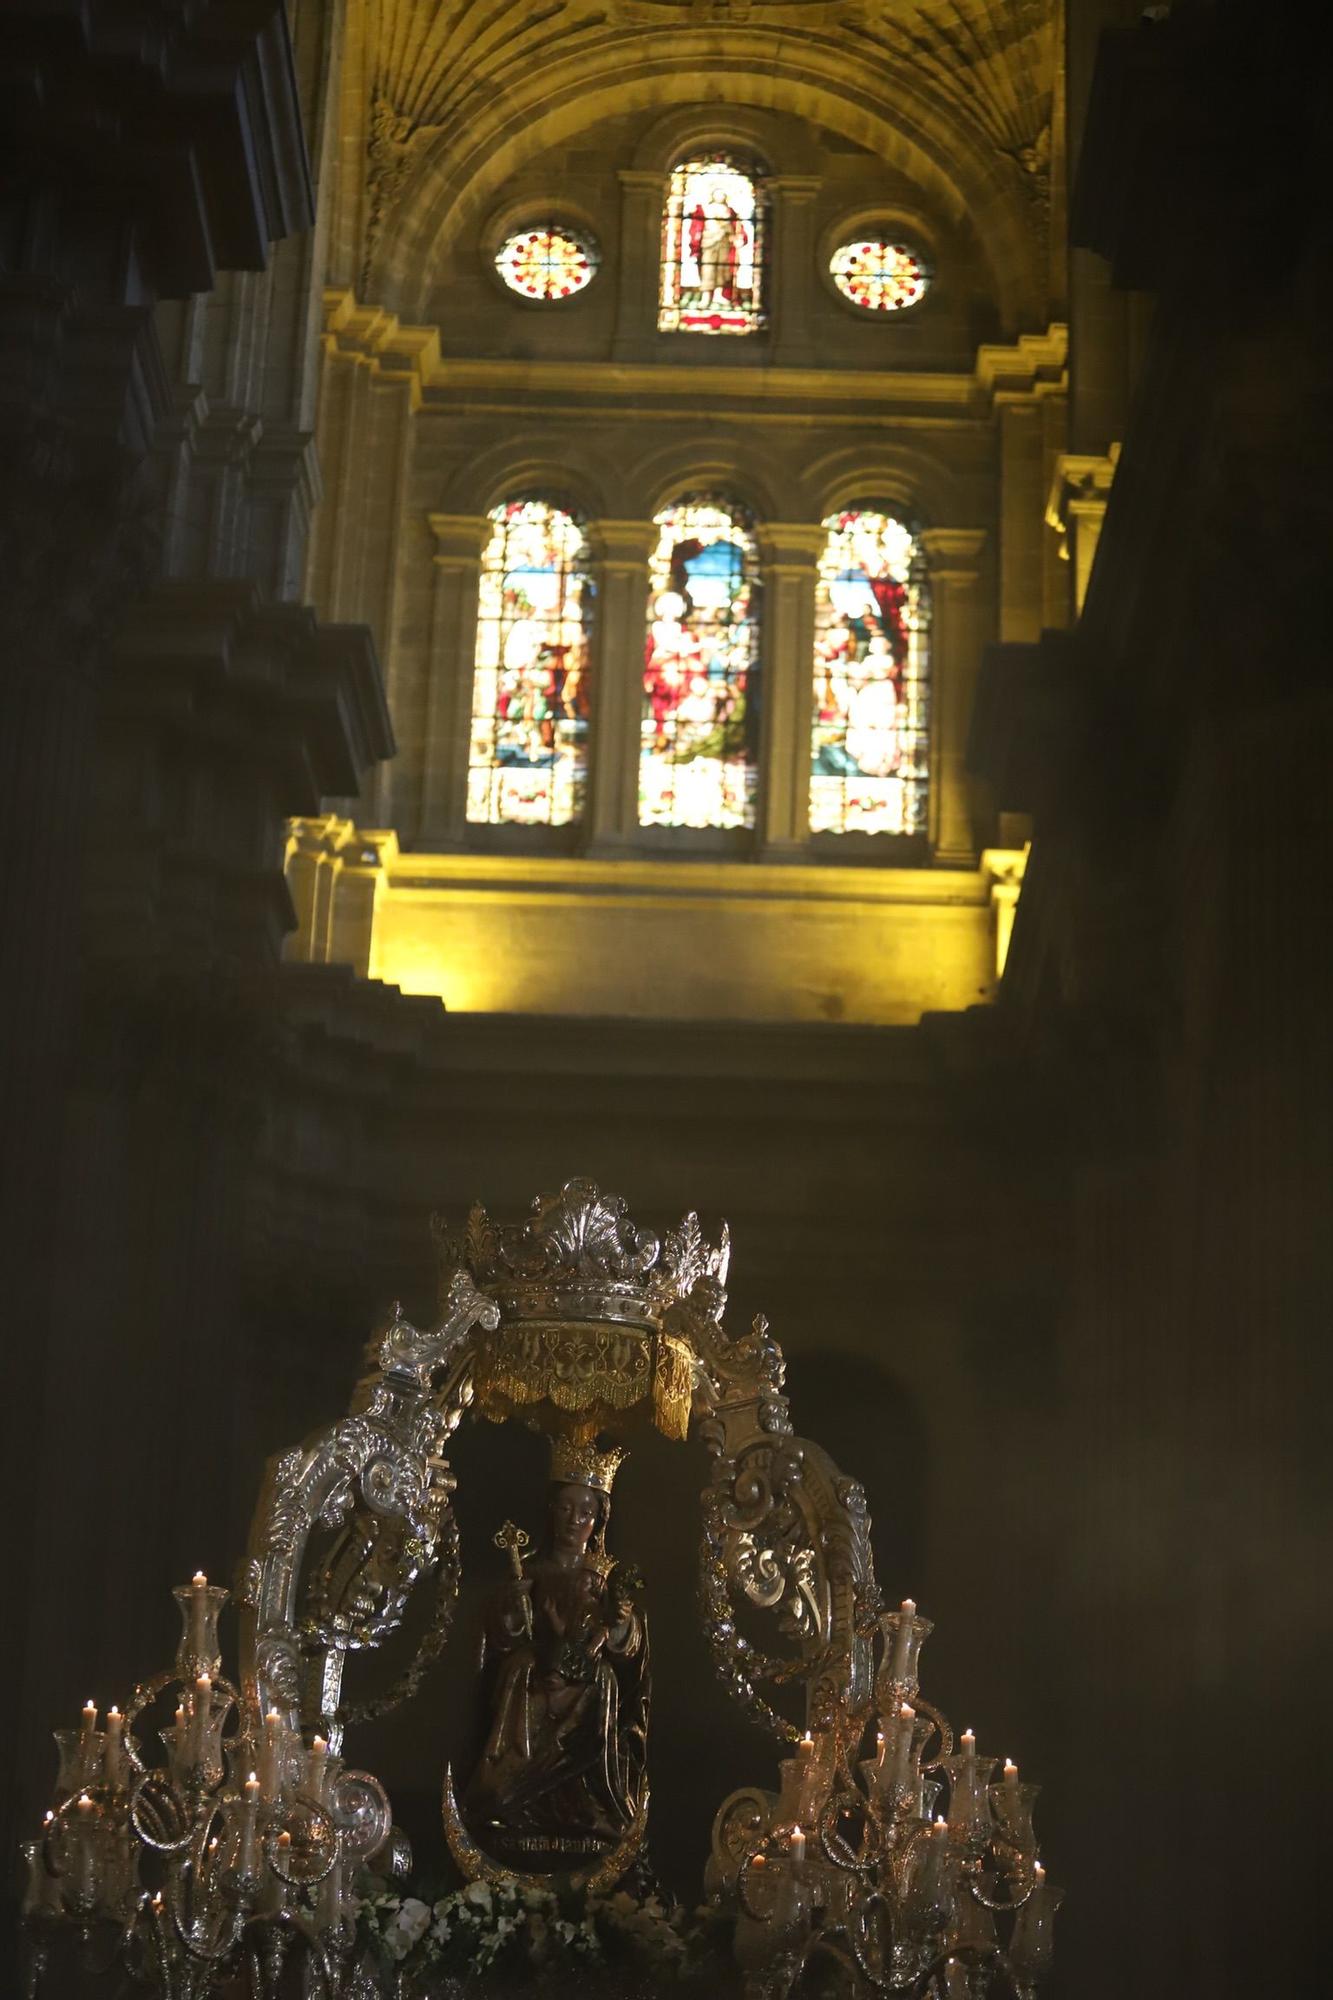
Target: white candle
(969, 1745)
(319, 1751)
(1010, 1772)
(111, 1752)
(198, 1612)
(203, 1713)
(270, 1756)
(806, 1746)
(245, 1860)
(797, 1845)
(902, 1749)
(879, 1748)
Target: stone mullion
(789, 553)
(642, 195)
(791, 279)
(959, 630)
(459, 541)
(620, 569)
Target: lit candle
(969, 1744)
(797, 1845)
(902, 1640)
(1038, 1873)
(87, 1856)
(879, 1748)
(1010, 1772)
(198, 1613)
(806, 1746)
(245, 1860)
(111, 1752)
(758, 1861)
(319, 1751)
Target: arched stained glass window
(714, 248)
(548, 261)
(871, 736)
(698, 762)
(528, 763)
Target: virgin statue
(561, 1779)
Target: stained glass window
(528, 763)
(878, 275)
(698, 762)
(871, 734)
(547, 262)
(713, 248)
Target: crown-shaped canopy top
(579, 1256)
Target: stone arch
(564, 471)
(783, 149)
(458, 168)
(702, 465)
(912, 479)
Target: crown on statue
(576, 1461)
(578, 1256)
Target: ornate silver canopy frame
(579, 1322)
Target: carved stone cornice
(378, 339)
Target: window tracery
(714, 247)
(878, 275)
(547, 261)
(869, 770)
(528, 760)
(698, 760)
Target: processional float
(225, 1861)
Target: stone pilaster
(459, 541)
(620, 570)
(642, 194)
(792, 272)
(959, 629)
(789, 552)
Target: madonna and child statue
(561, 1781)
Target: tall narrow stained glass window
(870, 749)
(698, 761)
(528, 763)
(714, 248)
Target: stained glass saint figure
(870, 744)
(528, 761)
(698, 763)
(713, 249)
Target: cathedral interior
(730, 597)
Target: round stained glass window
(877, 275)
(548, 262)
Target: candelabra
(914, 1870)
(222, 1858)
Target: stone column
(459, 541)
(959, 629)
(791, 277)
(642, 194)
(789, 552)
(620, 574)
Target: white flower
(413, 1919)
(479, 1892)
(398, 1944)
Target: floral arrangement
(526, 1937)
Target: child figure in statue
(565, 1666)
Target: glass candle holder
(71, 1745)
(904, 1633)
(1032, 1941)
(199, 1651)
(969, 1815)
(1011, 1804)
